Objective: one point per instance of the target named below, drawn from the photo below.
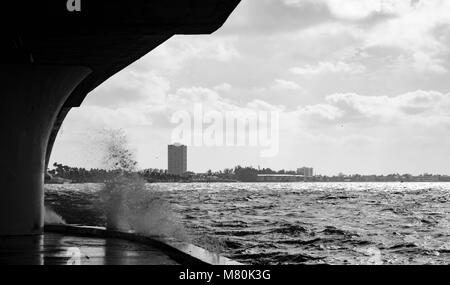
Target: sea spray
(129, 204)
(52, 218)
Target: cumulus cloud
(425, 108)
(130, 87)
(179, 49)
(260, 105)
(319, 112)
(357, 9)
(224, 87)
(328, 67)
(405, 24)
(101, 117)
(413, 32)
(360, 9)
(270, 17)
(281, 84)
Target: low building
(306, 171)
(280, 178)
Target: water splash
(117, 154)
(52, 218)
(129, 204)
(372, 256)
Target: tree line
(238, 173)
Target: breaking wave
(52, 218)
(128, 204)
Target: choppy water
(298, 223)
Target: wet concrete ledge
(182, 252)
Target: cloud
(414, 33)
(281, 84)
(224, 87)
(418, 28)
(178, 50)
(328, 67)
(260, 105)
(419, 108)
(271, 17)
(128, 87)
(360, 9)
(321, 112)
(357, 9)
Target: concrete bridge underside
(50, 59)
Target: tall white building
(177, 159)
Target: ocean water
(296, 223)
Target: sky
(360, 86)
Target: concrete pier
(32, 96)
(76, 245)
(60, 249)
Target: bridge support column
(31, 97)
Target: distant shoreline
(254, 182)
